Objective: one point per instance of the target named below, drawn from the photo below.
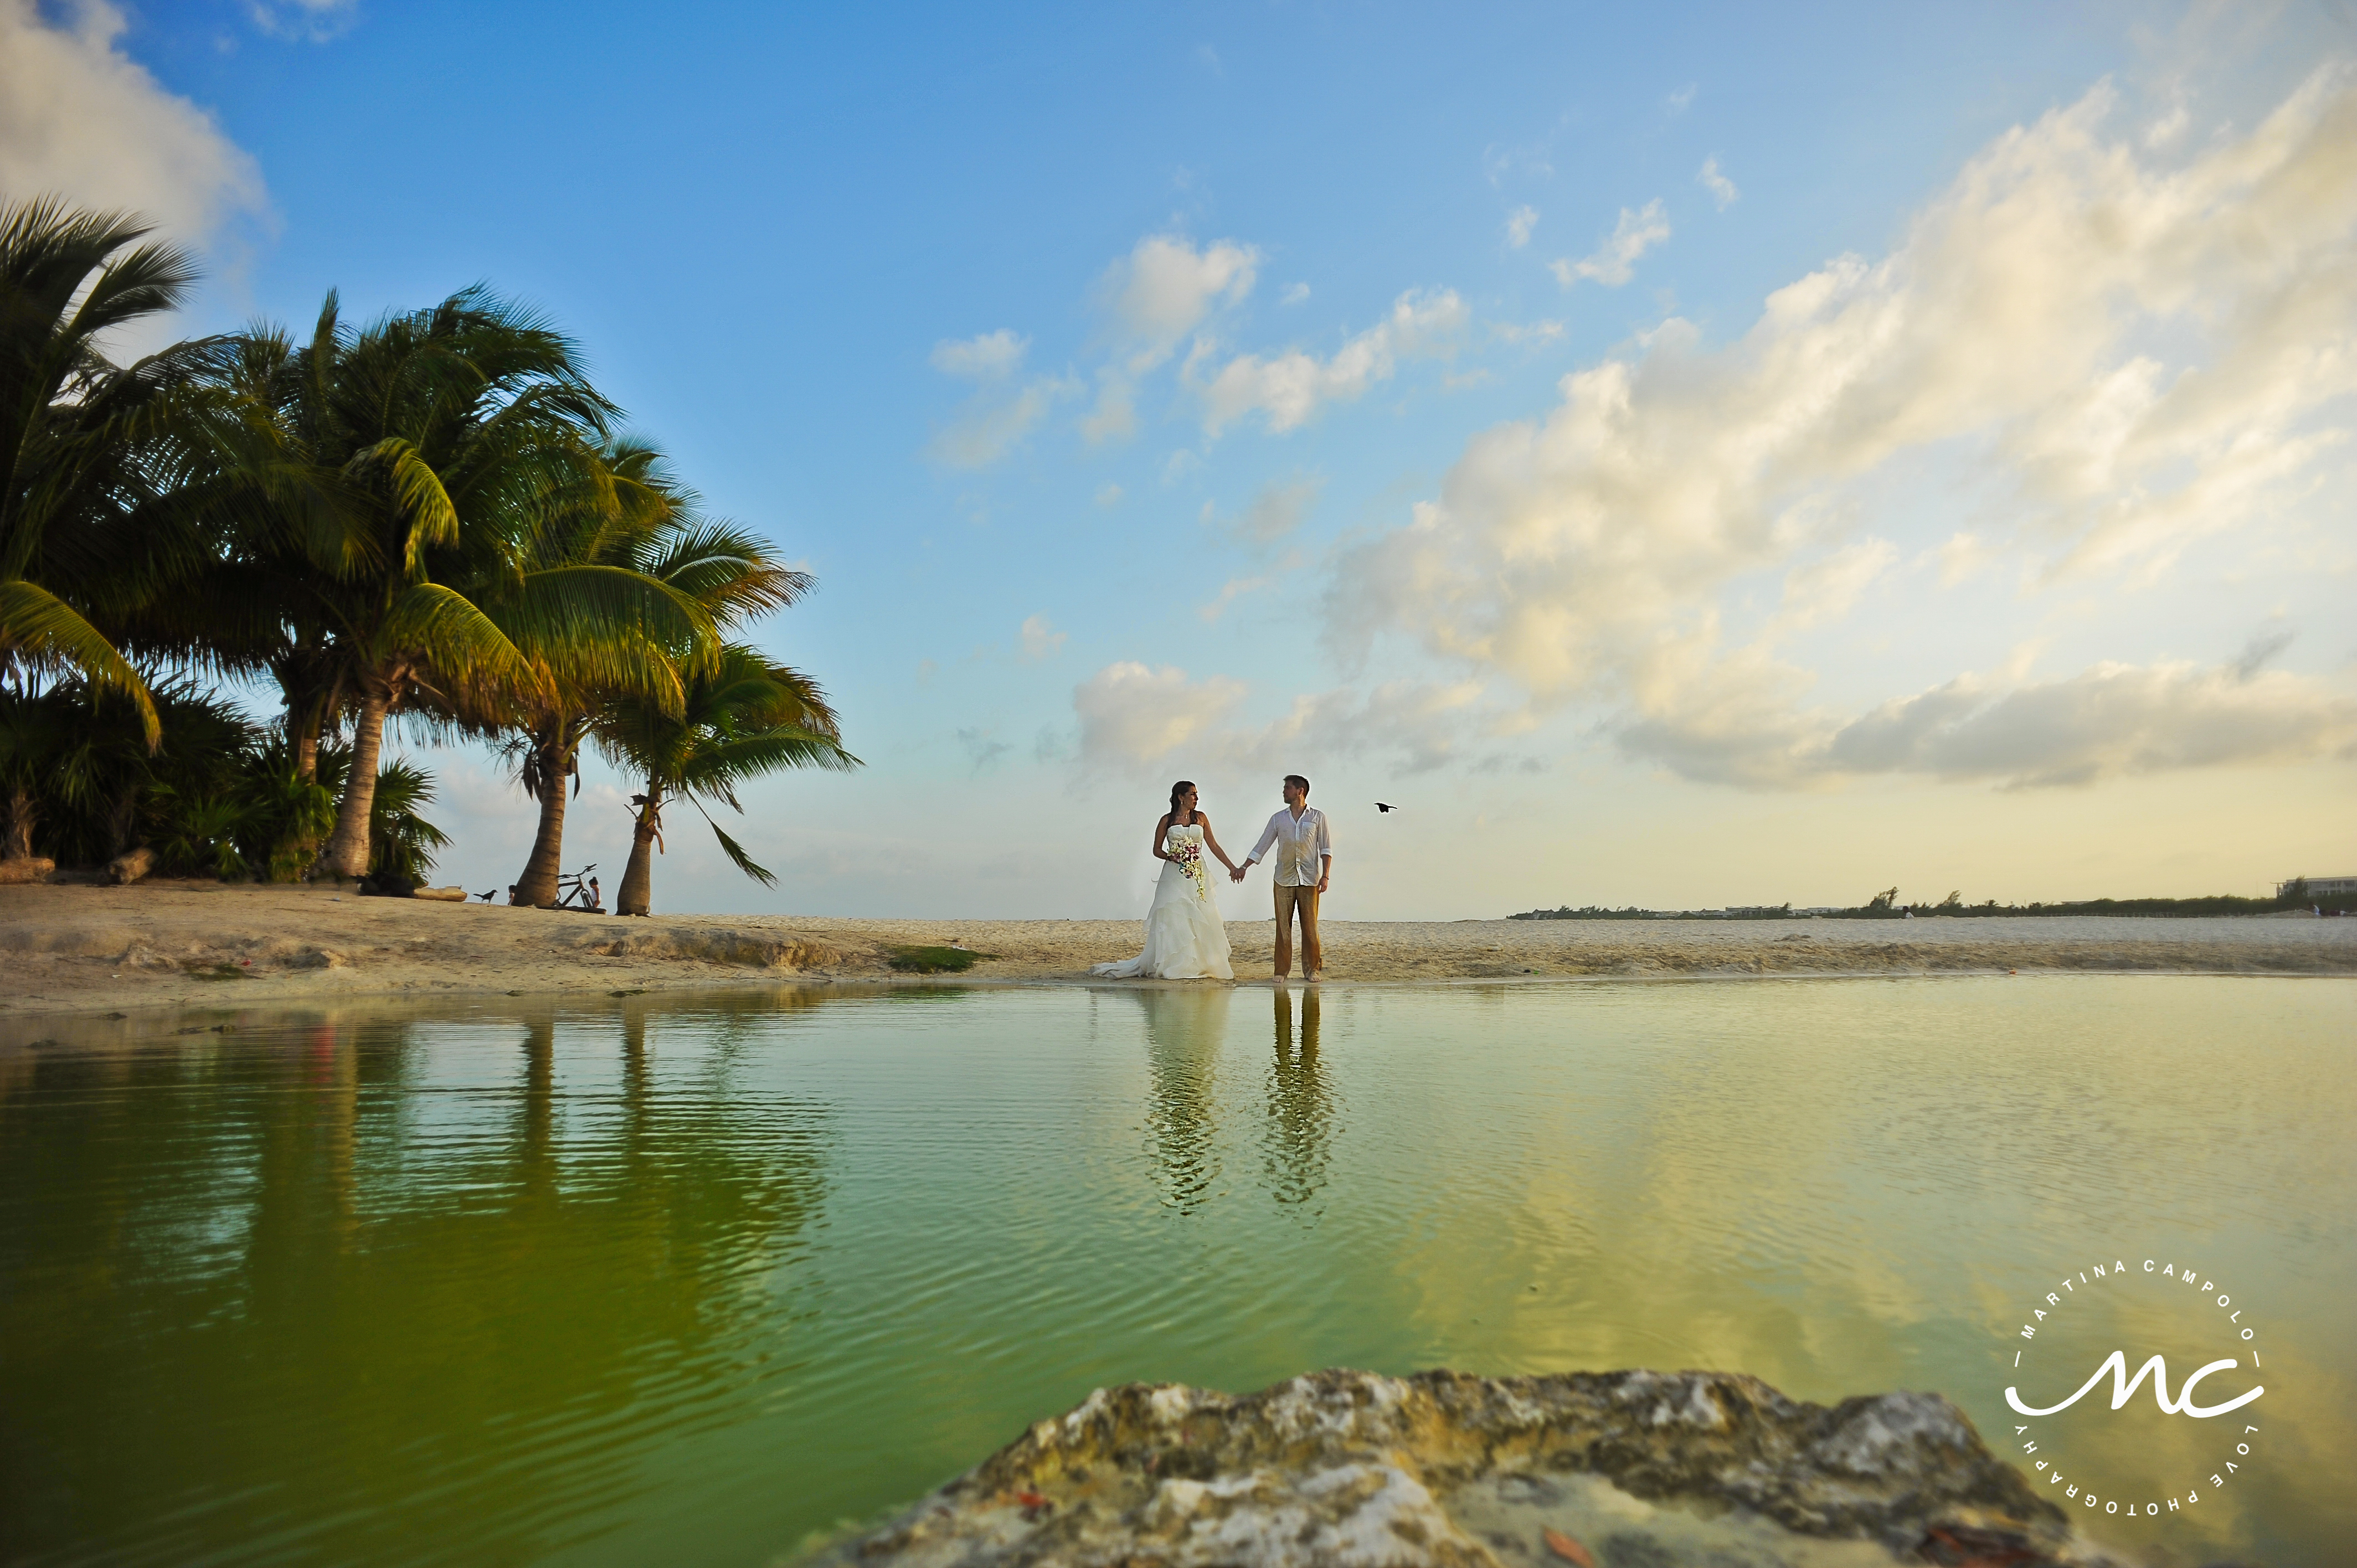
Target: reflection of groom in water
(1305, 860)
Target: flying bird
(1385, 806)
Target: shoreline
(86, 949)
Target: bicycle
(579, 891)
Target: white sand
(80, 948)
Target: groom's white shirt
(1301, 842)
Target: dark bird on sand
(1385, 806)
(486, 897)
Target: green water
(686, 1282)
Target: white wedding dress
(1184, 937)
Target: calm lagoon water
(687, 1282)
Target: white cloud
(317, 20)
(1230, 591)
(1110, 496)
(2132, 354)
(1276, 510)
(1826, 589)
(2259, 652)
(1722, 190)
(996, 419)
(1614, 261)
(1135, 718)
(991, 425)
(2165, 131)
(1426, 724)
(991, 356)
(2104, 723)
(1526, 332)
(1519, 224)
(1130, 714)
(1038, 639)
(1963, 556)
(1289, 389)
(1165, 287)
(80, 118)
(1293, 293)
(1677, 103)
(1114, 418)
(982, 750)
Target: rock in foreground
(1615, 1470)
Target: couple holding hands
(1184, 937)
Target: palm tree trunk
(122, 824)
(545, 770)
(21, 811)
(637, 894)
(303, 848)
(308, 700)
(347, 853)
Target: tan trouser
(1304, 901)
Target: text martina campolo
(2209, 1313)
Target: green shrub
(935, 960)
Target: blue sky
(1682, 456)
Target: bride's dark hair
(1176, 790)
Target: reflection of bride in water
(1186, 1030)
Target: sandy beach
(86, 947)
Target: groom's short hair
(1298, 782)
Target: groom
(1305, 860)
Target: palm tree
(744, 718)
(723, 569)
(388, 484)
(76, 439)
(649, 526)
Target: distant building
(2321, 887)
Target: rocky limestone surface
(1633, 1469)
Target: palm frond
(38, 627)
(427, 517)
(744, 862)
(466, 647)
(727, 569)
(723, 763)
(401, 842)
(809, 710)
(149, 280)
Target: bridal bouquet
(1188, 853)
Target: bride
(1184, 937)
